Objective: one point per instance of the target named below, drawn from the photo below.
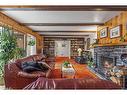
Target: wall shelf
(112, 44)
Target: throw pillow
(30, 67)
(43, 65)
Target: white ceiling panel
(61, 16)
(64, 28)
(67, 33)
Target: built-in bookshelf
(49, 47)
(75, 44)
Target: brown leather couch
(86, 83)
(15, 78)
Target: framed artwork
(104, 32)
(115, 32)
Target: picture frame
(104, 32)
(115, 32)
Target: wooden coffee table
(68, 72)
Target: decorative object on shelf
(66, 64)
(31, 42)
(95, 42)
(115, 32)
(75, 44)
(79, 50)
(122, 39)
(64, 44)
(104, 32)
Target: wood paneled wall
(4, 19)
(121, 19)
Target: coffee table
(68, 72)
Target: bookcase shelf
(75, 44)
(49, 47)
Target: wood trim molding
(61, 24)
(63, 7)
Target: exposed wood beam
(67, 31)
(61, 24)
(63, 8)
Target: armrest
(11, 69)
(29, 75)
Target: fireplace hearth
(111, 63)
(107, 57)
(105, 65)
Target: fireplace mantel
(112, 44)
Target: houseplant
(90, 61)
(8, 46)
(31, 42)
(19, 53)
(66, 64)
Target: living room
(81, 47)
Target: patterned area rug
(81, 69)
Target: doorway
(62, 48)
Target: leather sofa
(84, 83)
(15, 78)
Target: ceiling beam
(63, 8)
(67, 31)
(61, 24)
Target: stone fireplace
(106, 57)
(106, 62)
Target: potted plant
(8, 45)
(31, 42)
(66, 64)
(19, 53)
(90, 62)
